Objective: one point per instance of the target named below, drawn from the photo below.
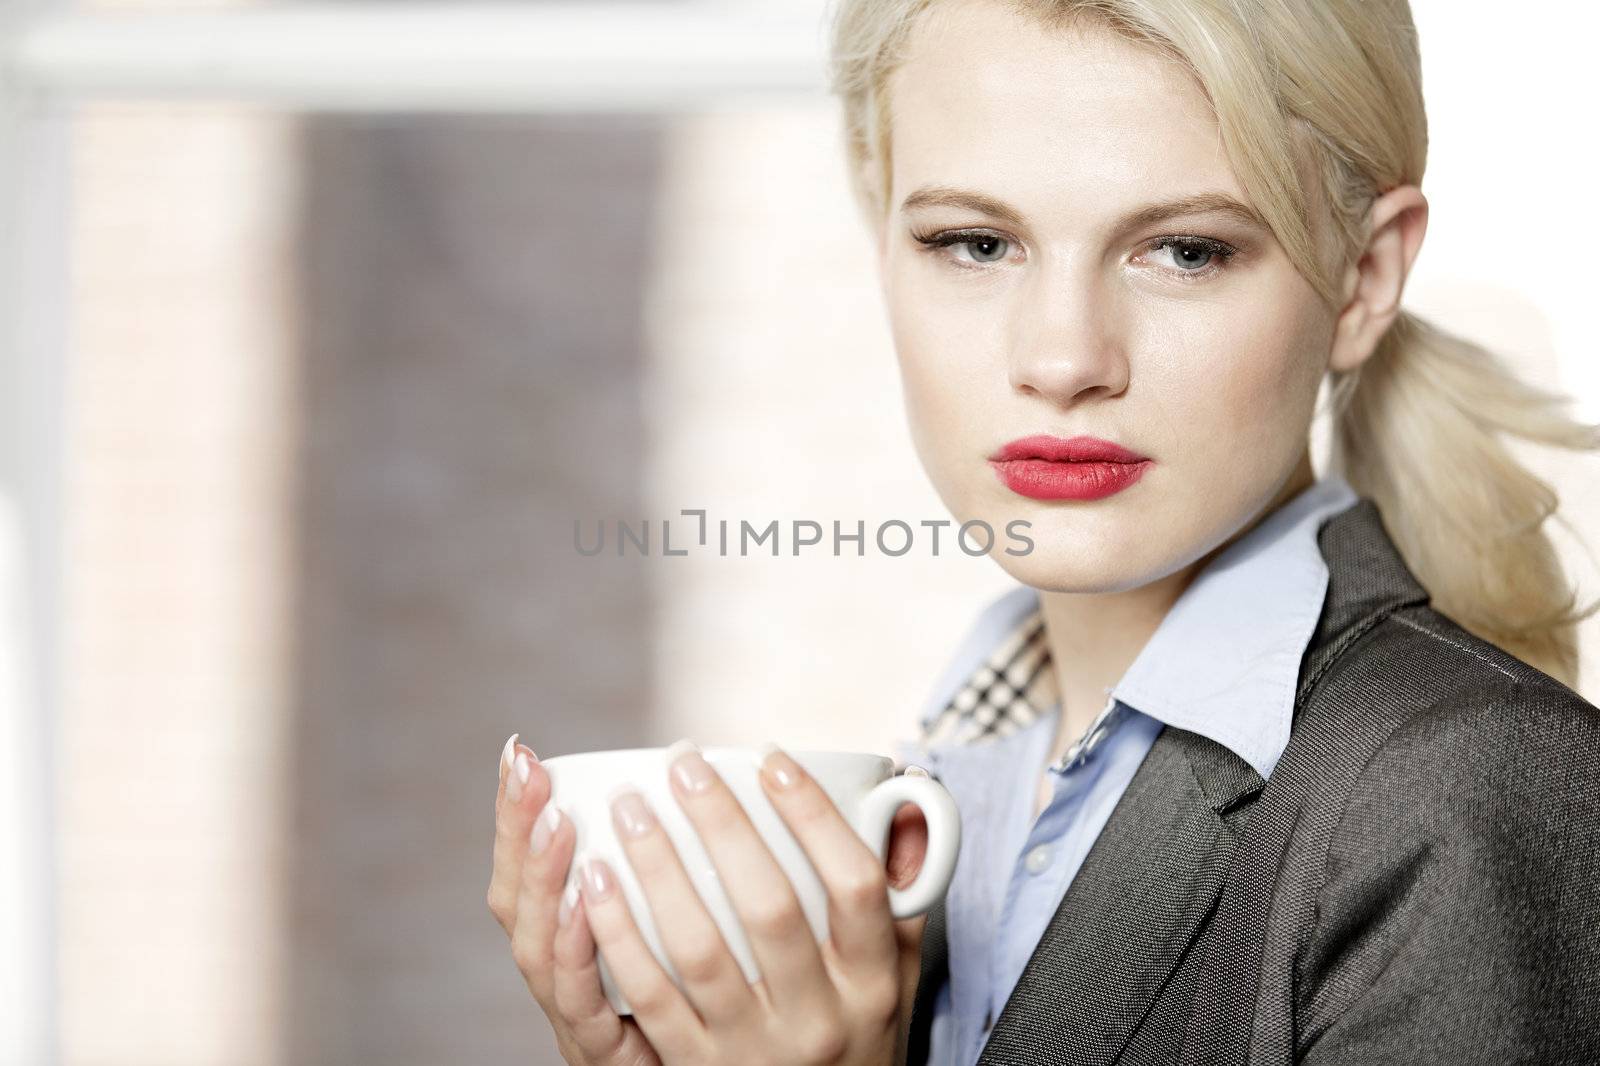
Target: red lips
(1071, 450)
(1043, 467)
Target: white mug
(862, 785)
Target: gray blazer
(1418, 882)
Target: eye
(1194, 256)
(983, 248)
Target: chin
(1085, 565)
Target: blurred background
(323, 325)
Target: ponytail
(1418, 428)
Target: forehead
(1051, 118)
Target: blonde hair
(1334, 87)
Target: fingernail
(569, 900)
(521, 767)
(507, 753)
(544, 829)
(598, 880)
(916, 771)
(780, 769)
(689, 767)
(632, 813)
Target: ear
(1373, 284)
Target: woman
(1305, 778)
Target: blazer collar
(1367, 579)
(1159, 863)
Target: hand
(532, 853)
(846, 1000)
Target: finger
(712, 977)
(501, 901)
(780, 937)
(543, 874)
(665, 1016)
(860, 926)
(506, 754)
(524, 788)
(910, 932)
(908, 845)
(601, 1035)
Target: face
(1033, 289)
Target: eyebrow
(1198, 203)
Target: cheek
(945, 372)
(1245, 389)
(933, 409)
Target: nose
(1066, 344)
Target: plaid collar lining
(1008, 691)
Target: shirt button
(988, 1020)
(1038, 859)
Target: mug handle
(938, 808)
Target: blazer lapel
(1157, 868)
(1140, 897)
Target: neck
(1095, 636)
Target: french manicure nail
(778, 766)
(569, 900)
(689, 767)
(521, 767)
(632, 813)
(916, 771)
(598, 880)
(508, 752)
(544, 829)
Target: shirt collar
(1224, 661)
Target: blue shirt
(1223, 663)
